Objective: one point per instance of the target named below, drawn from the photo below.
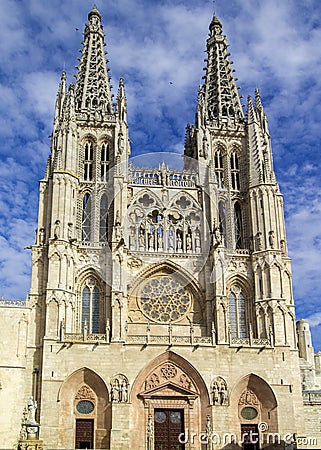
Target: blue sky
(158, 47)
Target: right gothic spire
(222, 102)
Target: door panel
(250, 437)
(84, 433)
(169, 424)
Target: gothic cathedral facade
(161, 310)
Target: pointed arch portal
(169, 396)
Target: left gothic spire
(92, 89)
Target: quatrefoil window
(183, 202)
(164, 299)
(146, 201)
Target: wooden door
(250, 437)
(84, 433)
(169, 424)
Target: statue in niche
(41, 236)
(57, 229)
(283, 247)
(259, 241)
(271, 238)
(163, 174)
(132, 239)
(121, 142)
(119, 389)
(215, 394)
(197, 240)
(188, 242)
(171, 238)
(217, 238)
(141, 239)
(124, 392)
(32, 407)
(115, 391)
(179, 243)
(159, 241)
(219, 392)
(151, 241)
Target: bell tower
(81, 196)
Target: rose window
(164, 299)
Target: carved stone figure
(259, 241)
(57, 229)
(32, 407)
(188, 242)
(124, 392)
(271, 238)
(41, 236)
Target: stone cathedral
(160, 314)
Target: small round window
(249, 413)
(85, 407)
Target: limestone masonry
(160, 314)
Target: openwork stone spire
(222, 101)
(92, 81)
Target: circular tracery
(164, 299)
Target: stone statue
(141, 239)
(223, 394)
(179, 243)
(188, 242)
(32, 407)
(57, 229)
(124, 392)
(115, 397)
(271, 239)
(215, 394)
(159, 241)
(41, 236)
(258, 241)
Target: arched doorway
(170, 400)
(85, 411)
(253, 411)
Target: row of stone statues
(172, 240)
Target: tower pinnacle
(222, 101)
(92, 81)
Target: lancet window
(86, 218)
(103, 224)
(238, 226)
(237, 313)
(235, 171)
(222, 219)
(90, 305)
(104, 161)
(88, 161)
(218, 167)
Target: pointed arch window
(237, 313)
(103, 224)
(86, 218)
(90, 306)
(222, 219)
(218, 167)
(235, 171)
(238, 226)
(88, 161)
(104, 161)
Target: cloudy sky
(158, 47)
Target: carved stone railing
(82, 337)
(154, 177)
(313, 397)
(169, 334)
(250, 342)
(4, 302)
